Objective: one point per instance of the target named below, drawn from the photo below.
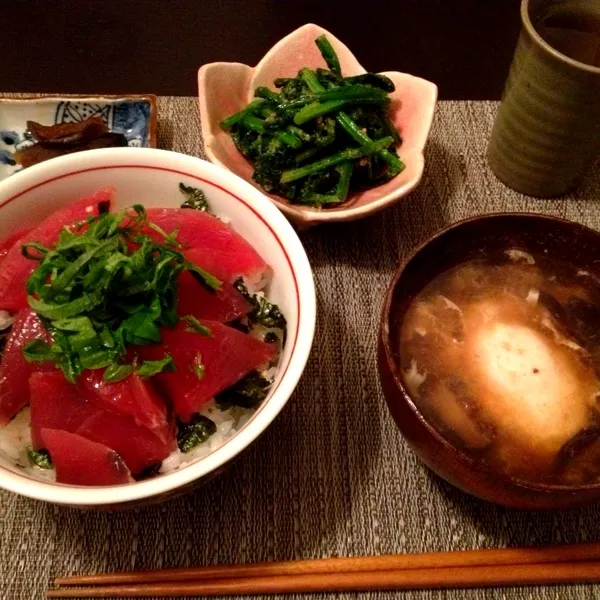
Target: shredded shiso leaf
(103, 287)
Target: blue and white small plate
(133, 116)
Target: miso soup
(502, 356)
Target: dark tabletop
(144, 46)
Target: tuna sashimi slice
(205, 365)
(210, 243)
(139, 447)
(15, 268)
(224, 305)
(227, 267)
(14, 369)
(58, 404)
(55, 404)
(10, 241)
(79, 461)
(131, 396)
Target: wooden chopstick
(427, 560)
(398, 579)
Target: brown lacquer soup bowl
(479, 461)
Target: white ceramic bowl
(151, 177)
(225, 88)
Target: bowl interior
(151, 177)
(468, 240)
(409, 111)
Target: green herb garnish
(194, 433)
(117, 372)
(195, 326)
(40, 458)
(264, 312)
(247, 393)
(106, 285)
(194, 198)
(203, 277)
(149, 368)
(198, 367)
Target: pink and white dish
(226, 88)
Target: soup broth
(502, 356)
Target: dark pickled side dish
(65, 138)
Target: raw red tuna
(224, 305)
(79, 461)
(225, 357)
(58, 404)
(55, 404)
(14, 369)
(139, 447)
(15, 268)
(10, 241)
(131, 396)
(210, 243)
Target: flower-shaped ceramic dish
(225, 88)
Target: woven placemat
(332, 476)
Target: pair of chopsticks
(465, 569)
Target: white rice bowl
(152, 177)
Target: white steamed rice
(14, 440)
(228, 423)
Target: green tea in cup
(573, 28)
(547, 131)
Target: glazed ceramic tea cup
(547, 132)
